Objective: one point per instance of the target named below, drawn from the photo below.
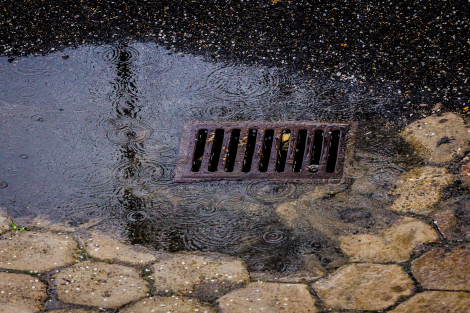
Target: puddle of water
(96, 135)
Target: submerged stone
(439, 139)
(419, 189)
(35, 251)
(436, 302)
(395, 244)
(183, 273)
(21, 293)
(444, 268)
(269, 297)
(364, 287)
(174, 304)
(104, 247)
(453, 220)
(100, 284)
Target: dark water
(93, 133)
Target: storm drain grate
(302, 151)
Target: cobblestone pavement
(418, 263)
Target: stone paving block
(35, 251)
(439, 139)
(174, 304)
(444, 268)
(269, 297)
(100, 284)
(104, 247)
(44, 222)
(297, 277)
(21, 293)
(72, 311)
(453, 220)
(419, 189)
(181, 273)
(364, 287)
(395, 244)
(436, 302)
(5, 223)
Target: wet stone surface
(444, 268)
(436, 302)
(395, 244)
(174, 304)
(453, 220)
(419, 189)
(441, 138)
(104, 247)
(99, 284)
(5, 223)
(269, 297)
(36, 251)
(21, 293)
(364, 287)
(213, 273)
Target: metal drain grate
(302, 151)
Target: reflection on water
(96, 134)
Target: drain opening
(302, 151)
(283, 150)
(299, 150)
(333, 151)
(317, 147)
(250, 150)
(199, 150)
(232, 150)
(266, 151)
(216, 149)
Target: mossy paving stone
(395, 244)
(364, 287)
(444, 268)
(100, 284)
(21, 293)
(182, 273)
(269, 297)
(436, 302)
(36, 251)
(174, 304)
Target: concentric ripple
(36, 65)
(274, 236)
(270, 192)
(146, 173)
(120, 55)
(242, 83)
(126, 131)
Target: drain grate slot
(283, 151)
(199, 150)
(250, 150)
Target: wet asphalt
(414, 52)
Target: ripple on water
(12, 143)
(120, 54)
(145, 173)
(51, 64)
(274, 236)
(270, 192)
(242, 83)
(126, 131)
(3, 184)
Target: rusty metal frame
(188, 142)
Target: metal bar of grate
(243, 149)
